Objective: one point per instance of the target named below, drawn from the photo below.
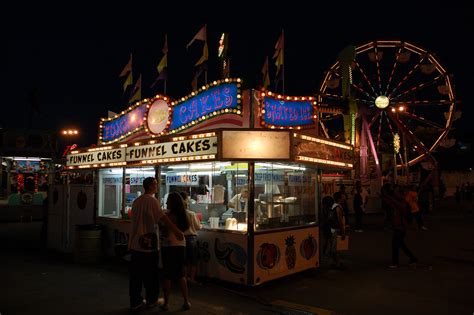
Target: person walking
(327, 203)
(190, 235)
(174, 251)
(144, 246)
(400, 209)
(337, 224)
(411, 198)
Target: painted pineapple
(290, 252)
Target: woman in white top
(174, 250)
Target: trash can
(88, 243)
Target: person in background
(337, 224)
(174, 250)
(240, 201)
(190, 235)
(411, 198)
(385, 194)
(400, 209)
(327, 203)
(343, 202)
(144, 246)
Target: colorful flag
(137, 90)
(201, 35)
(223, 46)
(164, 61)
(127, 68)
(265, 75)
(279, 53)
(128, 81)
(205, 55)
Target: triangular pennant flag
(137, 90)
(128, 81)
(127, 68)
(279, 45)
(205, 55)
(223, 46)
(201, 35)
(163, 63)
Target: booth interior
(284, 193)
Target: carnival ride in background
(398, 101)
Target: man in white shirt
(240, 201)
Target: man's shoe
(393, 266)
(424, 228)
(137, 307)
(164, 307)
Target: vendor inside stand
(239, 204)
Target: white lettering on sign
(182, 180)
(106, 156)
(172, 149)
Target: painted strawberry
(308, 247)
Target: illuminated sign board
(124, 124)
(287, 113)
(157, 117)
(324, 152)
(223, 97)
(182, 180)
(96, 157)
(202, 146)
(269, 145)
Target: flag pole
(283, 65)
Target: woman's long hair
(176, 207)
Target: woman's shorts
(192, 250)
(173, 262)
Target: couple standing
(144, 247)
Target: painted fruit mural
(308, 247)
(268, 256)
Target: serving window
(110, 192)
(285, 195)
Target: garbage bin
(88, 243)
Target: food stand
(214, 144)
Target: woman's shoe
(186, 306)
(164, 307)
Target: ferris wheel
(397, 90)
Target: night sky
(73, 59)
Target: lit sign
(172, 149)
(124, 124)
(321, 151)
(274, 178)
(105, 156)
(157, 117)
(269, 145)
(215, 99)
(182, 180)
(396, 143)
(285, 114)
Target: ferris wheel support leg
(366, 131)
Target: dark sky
(74, 58)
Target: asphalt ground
(37, 281)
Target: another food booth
(267, 161)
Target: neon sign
(220, 99)
(123, 125)
(282, 113)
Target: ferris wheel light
(382, 101)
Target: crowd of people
(401, 206)
(169, 236)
